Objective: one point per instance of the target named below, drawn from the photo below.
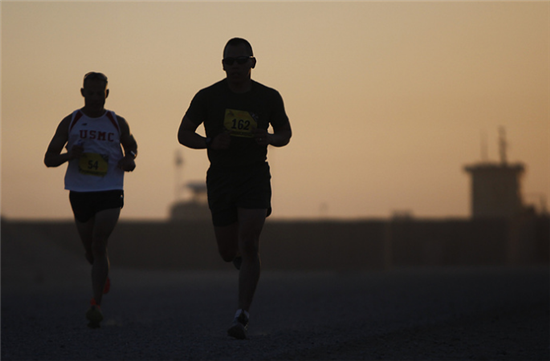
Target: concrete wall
(329, 245)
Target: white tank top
(97, 169)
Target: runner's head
(94, 76)
(238, 60)
(95, 92)
(238, 42)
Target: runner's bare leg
(100, 227)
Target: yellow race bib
(240, 123)
(94, 164)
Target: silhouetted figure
(95, 175)
(236, 113)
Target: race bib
(240, 123)
(94, 164)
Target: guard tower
(496, 187)
(195, 208)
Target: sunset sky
(388, 101)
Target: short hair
(95, 76)
(237, 42)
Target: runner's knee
(249, 247)
(227, 256)
(99, 248)
(227, 240)
(228, 253)
(90, 257)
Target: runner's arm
(188, 136)
(129, 145)
(53, 156)
(281, 135)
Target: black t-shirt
(221, 110)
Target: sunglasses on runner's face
(240, 60)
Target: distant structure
(496, 187)
(195, 208)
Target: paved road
(482, 313)
(409, 314)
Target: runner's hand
(76, 152)
(221, 141)
(261, 136)
(127, 164)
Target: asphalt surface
(478, 313)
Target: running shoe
(94, 315)
(107, 287)
(239, 327)
(237, 261)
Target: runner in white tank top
(100, 148)
(97, 169)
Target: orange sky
(388, 100)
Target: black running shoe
(239, 327)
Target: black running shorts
(86, 204)
(246, 187)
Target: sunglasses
(240, 60)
